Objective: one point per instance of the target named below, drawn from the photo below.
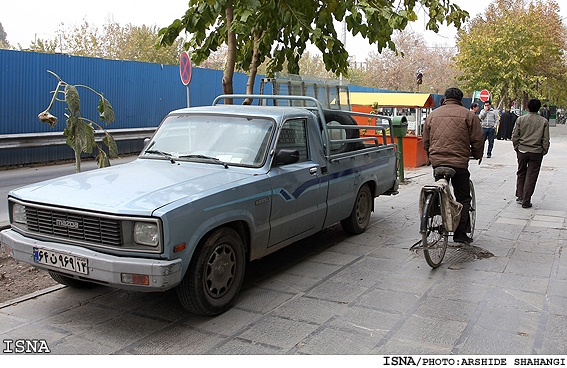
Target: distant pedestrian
(474, 107)
(531, 142)
(507, 121)
(545, 112)
(489, 121)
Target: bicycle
(440, 216)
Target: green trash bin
(399, 131)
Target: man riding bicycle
(451, 135)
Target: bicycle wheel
(434, 237)
(472, 210)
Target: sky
(26, 20)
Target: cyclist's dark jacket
(452, 134)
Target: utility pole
(343, 39)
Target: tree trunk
(253, 68)
(231, 56)
(525, 101)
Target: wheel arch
(241, 227)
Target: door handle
(313, 171)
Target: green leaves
(72, 99)
(288, 25)
(80, 132)
(515, 50)
(106, 113)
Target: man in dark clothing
(507, 121)
(451, 134)
(531, 142)
(545, 112)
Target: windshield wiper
(214, 159)
(161, 153)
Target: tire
(434, 236)
(359, 218)
(69, 281)
(472, 210)
(334, 118)
(215, 274)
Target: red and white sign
(484, 95)
(185, 71)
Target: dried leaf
(46, 117)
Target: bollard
(399, 131)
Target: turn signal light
(130, 278)
(178, 248)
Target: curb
(33, 295)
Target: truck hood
(136, 188)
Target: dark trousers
(528, 171)
(489, 134)
(462, 191)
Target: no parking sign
(185, 71)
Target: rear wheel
(215, 274)
(359, 218)
(434, 237)
(472, 211)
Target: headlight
(146, 233)
(19, 213)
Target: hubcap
(220, 271)
(362, 208)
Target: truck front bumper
(102, 268)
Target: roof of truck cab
(275, 112)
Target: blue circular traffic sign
(185, 71)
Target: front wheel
(359, 218)
(472, 211)
(215, 274)
(434, 236)
(69, 281)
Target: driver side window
(293, 136)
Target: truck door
(298, 193)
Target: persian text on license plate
(60, 260)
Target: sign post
(185, 72)
(484, 95)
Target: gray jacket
(489, 119)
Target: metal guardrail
(33, 140)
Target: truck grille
(73, 226)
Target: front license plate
(60, 260)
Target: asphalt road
(12, 178)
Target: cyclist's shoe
(519, 199)
(462, 238)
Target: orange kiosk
(415, 106)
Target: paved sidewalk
(365, 294)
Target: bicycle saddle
(444, 172)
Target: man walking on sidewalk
(531, 142)
(489, 120)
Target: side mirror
(146, 141)
(287, 156)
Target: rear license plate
(60, 260)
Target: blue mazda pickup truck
(214, 188)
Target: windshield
(219, 139)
